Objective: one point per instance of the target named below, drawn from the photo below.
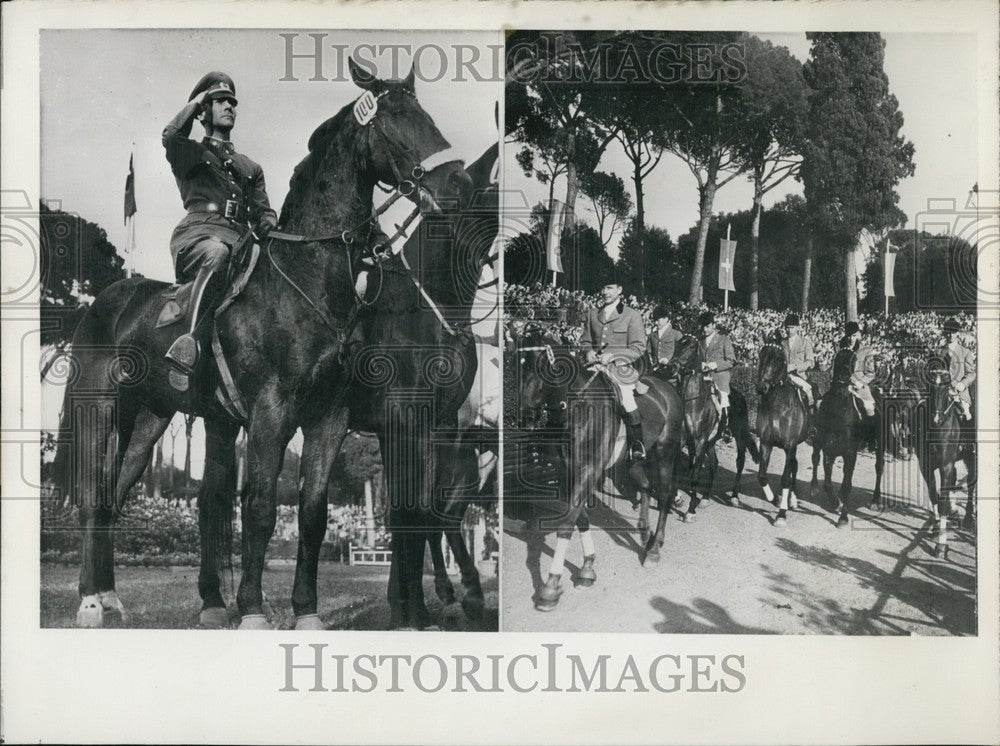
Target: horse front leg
(741, 457)
(697, 468)
(765, 458)
(267, 437)
(844, 500)
(215, 509)
(817, 452)
(666, 463)
(442, 583)
(787, 482)
(969, 520)
(321, 445)
(944, 509)
(876, 501)
(587, 575)
(582, 483)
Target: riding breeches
(209, 252)
(626, 394)
(803, 384)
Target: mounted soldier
(800, 356)
(863, 369)
(615, 337)
(719, 357)
(961, 367)
(224, 195)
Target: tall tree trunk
(758, 208)
(156, 472)
(572, 180)
(640, 226)
(188, 426)
(851, 281)
(807, 273)
(705, 201)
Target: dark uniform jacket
(661, 346)
(621, 333)
(209, 174)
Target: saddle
(177, 306)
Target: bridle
(366, 114)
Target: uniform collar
(223, 146)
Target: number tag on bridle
(365, 108)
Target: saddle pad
(175, 309)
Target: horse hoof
(793, 502)
(545, 604)
(689, 517)
(652, 557)
(842, 520)
(677, 501)
(90, 615)
(473, 606)
(214, 618)
(548, 596)
(309, 623)
(585, 582)
(734, 502)
(780, 522)
(111, 602)
(941, 551)
(254, 622)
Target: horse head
(383, 137)
(545, 370)
(938, 375)
(772, 368)
(687, 356)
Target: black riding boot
(184, 352)
(636, 449)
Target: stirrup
(183, 355)
(637, 451)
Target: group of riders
(615, 340)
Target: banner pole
(725, 292)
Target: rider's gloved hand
(958, 386)
(264, 226)
(591, 357)
(607, 358)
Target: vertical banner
(130, 211)
(727, 254)
(553, 253)
(889, 267)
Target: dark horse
(941, 441)
(582, 405)
(283, 338)
(413, 369)
(701, 422)
(841, 430)
(782, 422)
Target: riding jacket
(661, 346)
(619, 331)
(798, 353)
(719, 350)
(864, 367)
(962, 368)
(223, 191)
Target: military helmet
(792, 319)
(217, 85)
(951, 326)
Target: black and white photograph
(742, 320)
(269, 365)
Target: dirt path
(733, 572)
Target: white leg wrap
(767, 493)
(556, 568)
(943, 530)
(784, 499)
(587, 539)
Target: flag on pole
(130, 208)
(889, 269)
(727, 255)
(553, 252)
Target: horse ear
(362, 78)
(410, 80)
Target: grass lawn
(167, 597)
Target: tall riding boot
(184, 352)
(636, 450)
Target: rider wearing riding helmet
(664, 338)
(224, 194)
(961, 368)
(864, 367)
(615, 337)
(799, 356)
